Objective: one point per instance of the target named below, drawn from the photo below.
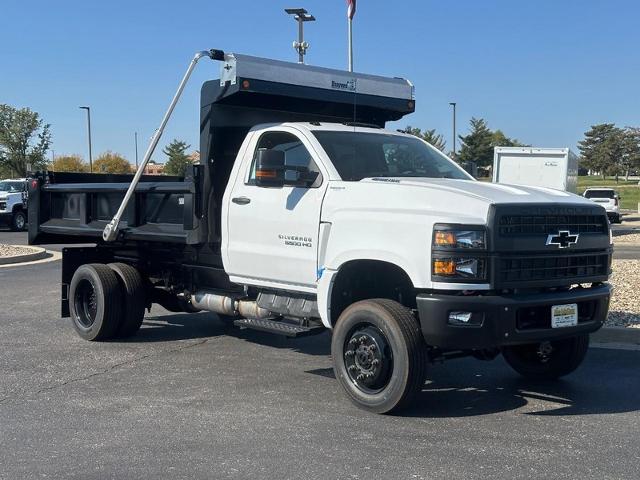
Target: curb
(38, 254)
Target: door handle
(241, 200)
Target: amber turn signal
(266, 174)
(444, 239)
(444, 267)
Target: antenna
(300, 15)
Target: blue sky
(541, 71)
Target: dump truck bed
(75, 207)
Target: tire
(391, 383)
(19, 221)
(564, 357)
(95, 302)
(133, 296)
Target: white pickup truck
(13, 203)
(307, 215)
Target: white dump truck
(306, 214)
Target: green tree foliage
(631, 150)
(603, 149)
(178, 160)
(429, 136)
(499, 139)
(69, 163)
(110, 162)
(24, 140)
(477, 145)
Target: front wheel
(379, 355)
(547, 360)
(19, 221)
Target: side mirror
(299, 176)
(270, 168)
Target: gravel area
(13, 250)
(628, 238)
(624, 310)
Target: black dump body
(75, 207)
(171, 227)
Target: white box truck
(538, 167)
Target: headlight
(443, 237)
(458, 253)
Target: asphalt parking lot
(189, 398)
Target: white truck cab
(305, 214)
(13, 203)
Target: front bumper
(508, 319)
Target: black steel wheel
(547, 360)
(368, 358)
(379, 355)
(95, 302)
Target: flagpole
(350, 45)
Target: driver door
(273, 231)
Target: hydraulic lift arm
(111, 230)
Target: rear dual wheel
(106, 301)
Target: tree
(178, 159)
(477, 146)
(631, 150)
(24, 140)
(429, 136)
(499, 139)
(69, 163)
(603, 149)
(110, 162)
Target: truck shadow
(609, 382)
(185, 326)
(178, 326)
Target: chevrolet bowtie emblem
(563, 239)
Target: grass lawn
(629, 191)
(597, 181)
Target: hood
(491, 193)
(442, 200)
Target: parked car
(608, 198)
(13, 203)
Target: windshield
(599, 194)
(11, 187)
(358, 155)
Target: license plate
(564, 315)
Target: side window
(295, 153)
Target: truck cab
(306, 214)
(13, 203)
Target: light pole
(88, 109)
(453, 104)
(136, 139)
(301, 16)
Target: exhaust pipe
(224, 305)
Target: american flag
(351, 8)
